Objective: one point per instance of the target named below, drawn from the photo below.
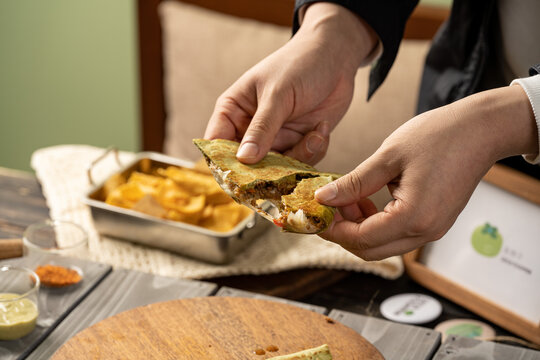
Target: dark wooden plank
(21, 202)
(227, 291)
(121, 290)
(457, 347)
(25, 181)
(393, 340)
(291, 284)
(54, 304)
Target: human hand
(291, 100)
(431, 166)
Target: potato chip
(190, 212)
(218, 198)
(149, 184)
(225, 217)
(145, 166)
(172, 195)
(126, 195)
(187, 195)
(150, 206)
(207, 212)
(191, 180)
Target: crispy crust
(302, 199)
(286, 182)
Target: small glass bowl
(19, 288)
(56, 237)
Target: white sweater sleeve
(531, 85)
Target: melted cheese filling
(297, 220)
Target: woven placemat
(62, 171)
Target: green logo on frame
(466, 330)
(487, 240)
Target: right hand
(431, 166)
(291, 100)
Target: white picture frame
(498, 280)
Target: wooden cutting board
(214, 328)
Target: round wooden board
(214, 328)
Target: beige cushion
(205, 52)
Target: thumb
(261, 132)
(368, 178)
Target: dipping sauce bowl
(19, 289)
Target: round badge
(466, 328)
(411, 308)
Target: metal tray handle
(101, 157)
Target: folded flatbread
(319, 353)
(286, 183)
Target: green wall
(442, 3)
(68, 75)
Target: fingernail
(324, 128)
(327, 192)
(248, 151)
(314, 144)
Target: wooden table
(351, 298)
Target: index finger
(228, 121)
(272, 111)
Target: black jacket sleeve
(386, 17)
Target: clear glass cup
(56, 248)
(19, 310)
(56, 243)
(55, 237)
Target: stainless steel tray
(186, 239)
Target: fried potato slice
(150, 206)
(225, 217)
(149, 184)
(179, 194)
(190, 212)
(197, 183)
(126, 195)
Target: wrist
(504, 122)
(340, 31)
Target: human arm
(387, 18)
(431, 166)
(292, 99)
